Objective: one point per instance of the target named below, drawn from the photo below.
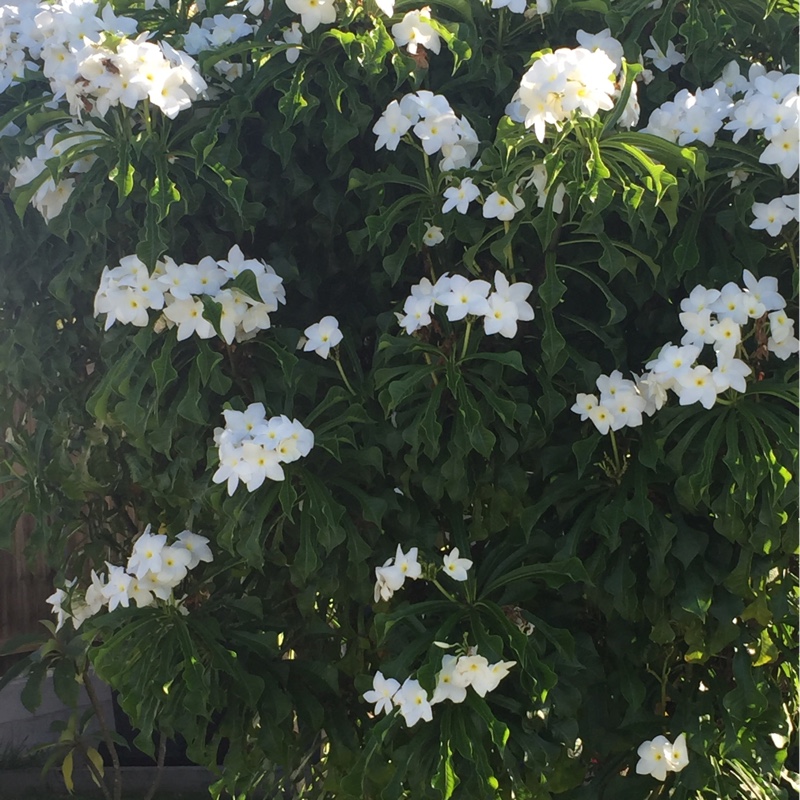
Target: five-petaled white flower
(382, 692)
(456, 567)
(322, 336)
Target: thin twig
(162, 753)
(98, 710)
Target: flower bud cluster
(128, 291)
(434, 123)
(252, 448)
(659, 756)
(457, 674)
(501, 309)
(709, 317)
(153, 570)
(394, 572)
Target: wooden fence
(24, 587)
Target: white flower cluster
(67, 41)
(501, 309)
(51, 195)
(764, 102)
(659, 756)
(435, 124)
(128, 291)
(252, 448)
(153, 570)
(392, 575)
(458, 673)
(216, 31)
(580, 80)
(415, 31)
(709, 316)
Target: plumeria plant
(450, 353)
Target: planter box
(19, 728)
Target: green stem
(617, 462)
(466, 337)
(341, 372)
(428, 174)
(443, 590)
(148, 122)
(508, 251)
(429, 363)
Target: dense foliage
(634, 583)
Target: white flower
(459, 197)
(697, 386)
(730, 373)
(414, 30)
(391, 125)
(433, 235)
(602, 418)
(174, 565)
(322, 336)
(780, 325)
(188, 316)
(771, 216)
(500, 317)
(465, 297)
(673, 361)
(447, 685)
(116, 588)
(196, 546)
(313, 12)
(652, 758)
(584, 404)
(382, 692)
(699, 299)
(514, 6)
(658, 757)
(146, 554)
(388, 580)
(732, 303)
(474, 671)
(413, 703)
(497, 672)
(764, 290)
(662, 60)
(293, 35)
(727, 334)
(782, 151)
(407, 563)
(456, 567)
(503, 208)
(516, 293)
(417, 314)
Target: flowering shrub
(310, 220)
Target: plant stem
(338, 363)
(617, 462)
(466, 337)
(95, 774)
(162, 753)
(509, 253)
(433, 374)
(98, 710)
(444, 591)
